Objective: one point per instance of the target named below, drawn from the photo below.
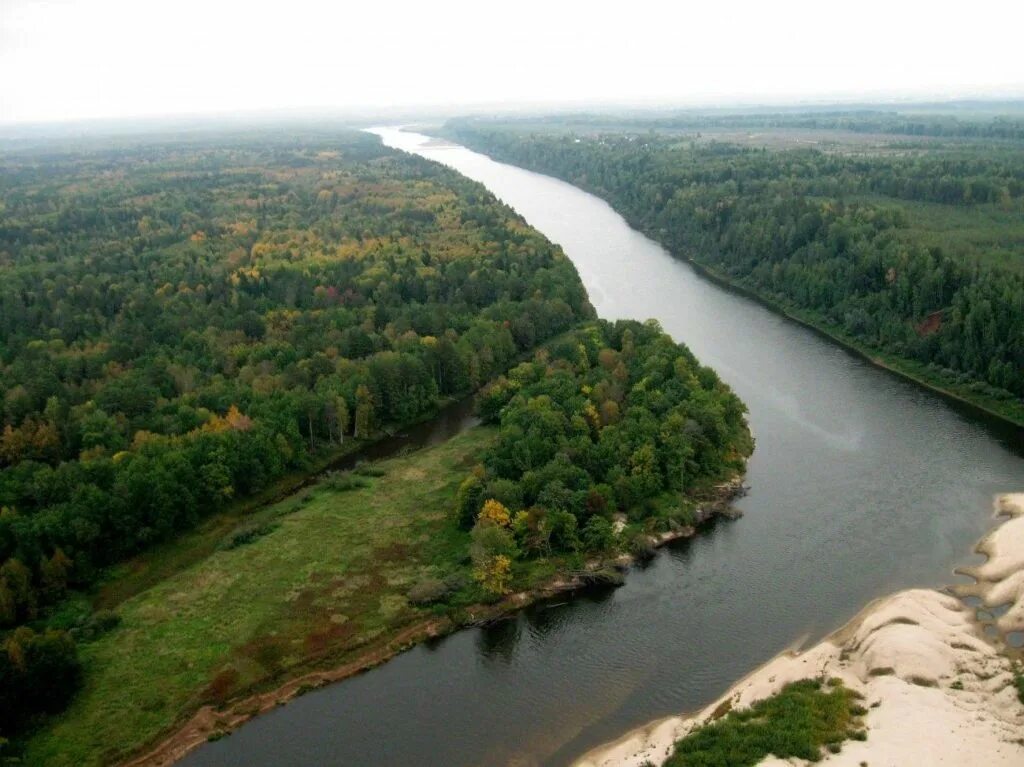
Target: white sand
(902, 653)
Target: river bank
(921, 659)
(1008, 413)
(210, 722)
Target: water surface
(860, 484)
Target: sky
(82, 59)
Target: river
(861, 484)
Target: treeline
(182, 323)
(927, 122)
(612, 418)
(782, 223)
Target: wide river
(861, 484)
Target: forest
(611, 418)
(843, 240)
(957, 120)
(183, 321)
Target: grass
(989, 234)
(145, 570)
(803, 720)
(328, 572)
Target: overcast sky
(69, 59)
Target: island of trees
(908, 250)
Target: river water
(861, 484)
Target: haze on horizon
(84, 59)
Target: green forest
(610, 418)
(183, 323)
(912, 255)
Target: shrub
(428, 591)
(799, 721)
(369, 470)
(243, 537)
(341, 482)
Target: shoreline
(921, 658)
(978, 408)
(211, 723)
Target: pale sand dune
(903, 652)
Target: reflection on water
(861, 484)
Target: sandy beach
(938, 691)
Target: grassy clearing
(803, 720)
(325, 572)
(150, 567)
(992, 235)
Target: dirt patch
(268, 651)
(930, 324)
(221, 686)
(394, 552)
(329, 637)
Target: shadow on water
(861, 484)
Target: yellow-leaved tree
(493, 548)
(494, 573)
(494, 513)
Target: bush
(456, 581)
(369, 470)
(428, 591)
(341, 482)
(247, 536)
(96, 625)
(39, 673)
(799, 721)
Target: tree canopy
(182, 322)
(607, 419)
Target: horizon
(104, 60)
(995, 104)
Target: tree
(364, 412)
(53, 574)
(494, 513)
(492, 551)
(494, 573)
(468, 501)
(38, 674)
(338, 416)
(598, 534)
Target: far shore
(939, 689)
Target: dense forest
(837, 238)
(182, 322)
(610, 418)
(960, 121)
